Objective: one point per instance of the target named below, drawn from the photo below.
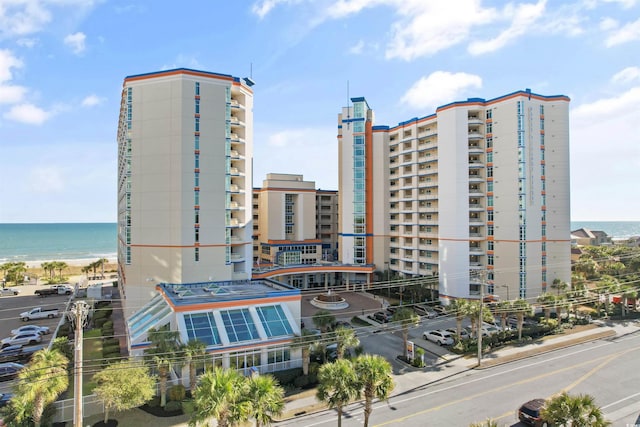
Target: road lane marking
(606, 359)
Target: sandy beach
(74, 267)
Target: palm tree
(165, 355)
(374, 377)
(323, 319)
(521, 307)
(608, 285)
(627, 292)
(473, 312)
(194, 351)
(266, 397)
(559, 285)
(42, 381)
(48, 267)
(548, 301)
(221, 394)
(505, 308)
(574, 411)
(407, 318)
(345, 338)
(460, 307)
(337, 385)
(61, 265)
(304, 342)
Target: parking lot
(11, 307)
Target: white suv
(22, 339)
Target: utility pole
(78, 316)
(482, 276)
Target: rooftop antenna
(348, 108)
(249, 80)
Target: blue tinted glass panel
(202, 326)
(239, 325)
(274, 321)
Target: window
(197, 88)
(239, 325)
(202, 326)
(197, 124)
(197, 254)
(274, 321)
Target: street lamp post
(482, 276)
(507, 288)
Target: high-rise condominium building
(185, 144)
(295, 225)
(479, 190)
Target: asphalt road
(12, 306)
(605, 369)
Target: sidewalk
(447, 366)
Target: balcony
(475, 120)
(475, 148)
(475, 207)
(476, 250)
(475, 163)
(236, 172)
(236, 122)
(236, 189)
(476, 177)
(475, 134)
(235, 104)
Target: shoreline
(76, 262)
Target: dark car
(11, 353)
(9, 370)
(342, 324)
(529, 413)
(4, 399)
(380, 316)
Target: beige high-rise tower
(185, 144)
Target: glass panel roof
(147, 318)
(239, 325)
(274, 321)
(202, 326)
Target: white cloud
(92, 100)
(28, 114)
(19, 18)
(27, 42)
(627, 33)
(298, 151)
(522, 18)
(418, 34)
(627, 75)
(626, 104)
(76, 42)
(46, 180)
(357, 48)
(607, 24)
(11, 94)
(438, 88)
(7, 62)
(603, 133)
(262, 8)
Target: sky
(63, 62)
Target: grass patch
(91, 358)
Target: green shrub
(154, 402)
(173, 406)
(418, 360)
(106, 342)
(287, 376)
(188, 406)
(108, 325)
(177, 393)
(99, 322)
(302, 381)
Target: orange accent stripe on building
(293, 242)
(368, 144)
(230, 304)
(297, 190)
(218, 245)
(175, 73)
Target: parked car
(392, 309)
(513, 322)
(54, 290)
(440, 310)
(39, 313)
(42, 330)
(464, 334)
(9, 370)
(529, 413)
(11, 353)
(9, 291)
(422, 310)
(28, 338)
(342, 324)
(4, 399)
(438, 337)
(380, 316)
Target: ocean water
(57, 242)
(87, 241)
(614, 229)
